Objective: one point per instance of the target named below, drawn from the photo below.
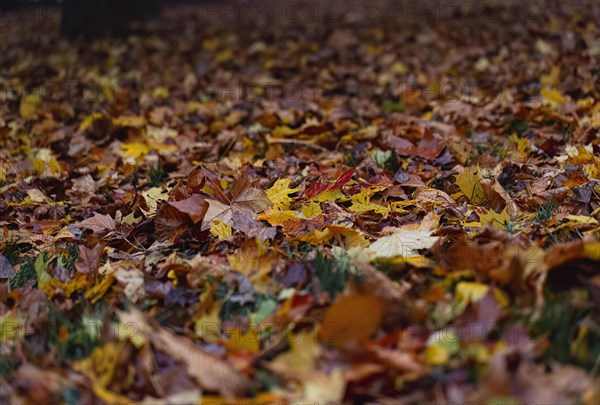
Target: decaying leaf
(210, 372)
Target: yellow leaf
(97, 291)
(352, 237)
(220, 229)
(163, 149)
(208, 327)
(311, 210)
(470, 292)
(30, 104)
(552, 97)
(279, 194)
(239, 340)
(160, 92)
(129, 121)
(224, 55)
(436, 355)
(135, 149)
(89, 120)
(131, 219)
(582, 219)
(499, 220)
(299, 362)
(361, 202)
(469, 182)
(152, 197)
(328, 195)
(10, 326)
(276, 218)
(352, 317)
(591, 250)
(100, 367)
(284, 132)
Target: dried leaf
(351, 318)
(210, 372)
(99, 223)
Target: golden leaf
(469, 182)
(279, 194)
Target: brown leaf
(88, 260)
(391, 294)
(170, 223)
(249, 199)
(211, 373)
(195, 207)
(99, 223)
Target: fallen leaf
(469, 182)
(351, 318)
(99, 223)
(406, 244)
(279, 194)
(195, 206)
(210, 372)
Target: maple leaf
(321, 186)
(279, 194)
(99, 223)
(469, 182)
(88, 260)
(499, 220)
(249, 199)
(195, 206)
(405, 243)
(135, 149)
(361, 202)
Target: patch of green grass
(545, 212)
(68, 258)
(333, 274)
(156, 176)
(23, 275)
(389, 106)
(511, 226)
(12, 250)
(519, 127)
(493, 146)
(573, 333)
(76, 338)
(8, 363)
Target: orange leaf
(354, 317)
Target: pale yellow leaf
(405, 243)
(220, 229)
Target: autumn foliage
(345, 208)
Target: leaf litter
(417, 223)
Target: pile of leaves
(345, 207)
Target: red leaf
(342, 179)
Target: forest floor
(385, 202)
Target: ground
(309, 202)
